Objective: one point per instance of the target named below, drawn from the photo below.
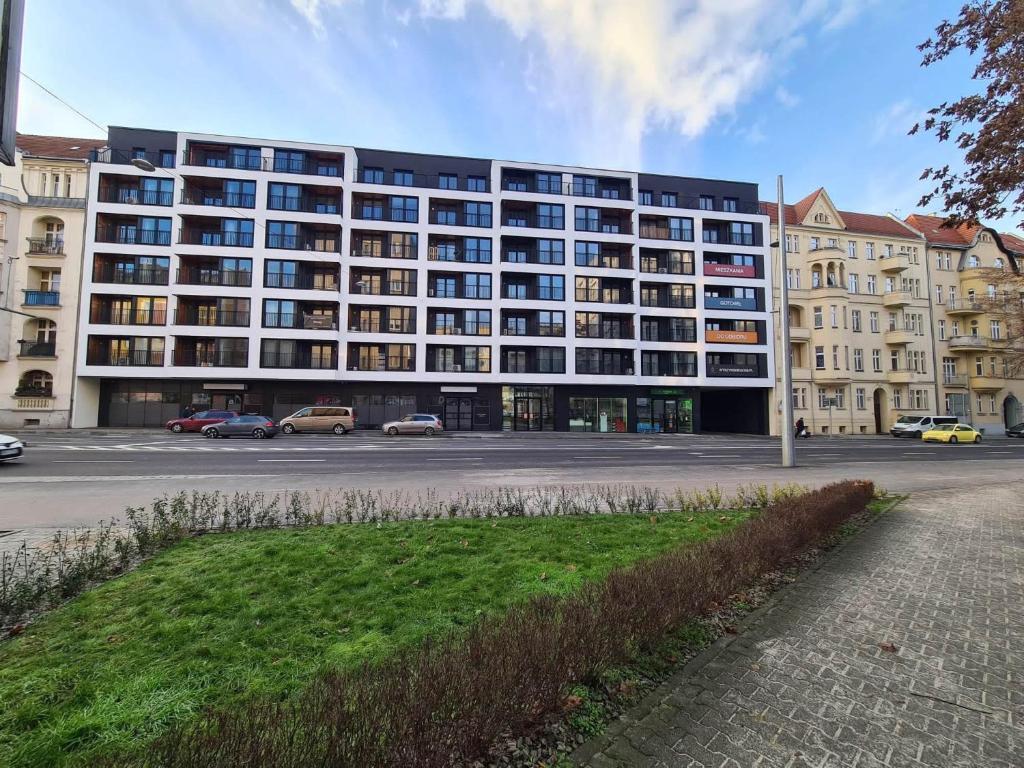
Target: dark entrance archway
(879, 398)
(1011, 412)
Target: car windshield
(908, 420)
(945, 427)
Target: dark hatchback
(1017, 430)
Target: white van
(915, 426)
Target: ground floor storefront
(464, 407)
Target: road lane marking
(293, 461)
(94, 461)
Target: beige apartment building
(970, 332)
(858, 317)
(42, 223)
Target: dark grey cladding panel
(127, 139)
(745, 192)
(425, 164)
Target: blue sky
(823, 91)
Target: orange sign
(731, 337)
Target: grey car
(414, 424)
(258, 427)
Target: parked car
(10, 448)
(414, 424)
(952, 433)
(1017, 430)
(916, 426)
(318, 418)
(258, 427)
(197, 421)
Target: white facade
(89, 372)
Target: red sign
(729, 270)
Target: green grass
(224, 617)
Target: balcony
(224, 156)
(301, 320)
(987, 383)
(135, 357)
(129, 274)
(825, 376)
(322, 204)
(108, 315)
(425, 180)
(897, 299)
(962, 307)
(219, 238)
(529, 219)
(801, 374)
(968, 343)
(303, 281)
(210, 317)
(301, 359)
(954, 380)
(897, 262)
(38, 349)
(305, 241)
(135, 196)
(217, 198)
(213, 276)
(34, 403)
(651, 231)
(329, 166)
(799, 333)
(903, 376)
(41, 298)
(900, 336)
(45, 246)
(210, 358)
(131, 235)
(828, 291)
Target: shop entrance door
(528, 414)
(664, 414)
(458, 414)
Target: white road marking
(306, 461)
(93, 461)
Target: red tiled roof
(1013, 243)
(857, 223)
(961, 236)
(62, 147)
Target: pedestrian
(187, 411)
(800, 428)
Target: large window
(404, 209)
(593, 414)
(550, 251)
(477, 214)
(550, 216)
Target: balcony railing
(968, 342)
(211, 358)
(302, 282)
(531, 220)
(520, 291)
(110, 316)
(571, 188)
(380, 362)
(42, 298)
(605, 226)
(38, 349)
(225, 277)
(383, 325)
(658, 232)
(304, 242)
(965, 306)
(210, 316)
(299, 360)
(45, 246)
(957, 380)
(304, 204)
(108, 273)
(120, 157)
(373, 250)
(606, 296)
(217, 198)
(131, 235)
(225, 238)
(668, 301)
(309, 166)
(458, 218)
(133, 357)
(425, 181)
(384, 288)
(373, 213)
(654, 333)
(300, 320)
(135, 196)
(604, 331)
(223, 159)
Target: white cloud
(895, 120)
(785, 97)
(620, 68)
(313, 10)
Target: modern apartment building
(42, 223)
(859, 318)
(269, 275)
(969, 327)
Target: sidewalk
(811, 682)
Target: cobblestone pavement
(808, 683)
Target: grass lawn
(227, 616)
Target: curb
(585, 753)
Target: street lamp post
(788, 438)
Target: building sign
(729, 302)
(729, 270)
(731, 337)
(732, 369)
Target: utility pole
(788, 438)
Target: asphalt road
(78, 478)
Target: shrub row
(35, 578)
(445, 704)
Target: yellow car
(952, 433)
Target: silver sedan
(258, 427)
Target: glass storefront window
(528, 409)
(668, 413)
(597, 414)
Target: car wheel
(429, 431)
(212, 433)
(339, 429)
(392, 431)
(288, 429)
(177, 429)
(977, 438)
(259, 433)
(953, 439)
